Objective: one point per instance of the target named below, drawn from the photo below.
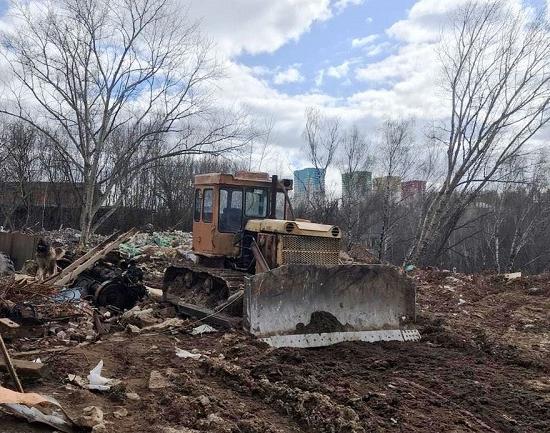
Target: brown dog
(46, 259)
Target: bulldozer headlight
(289, 227)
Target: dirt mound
(320, 321)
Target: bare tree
(323, 137)
(263, 143)
(395, 158)
(89, 68)
(496, 67)
(20, 166)
(356, 159)
(529, 217)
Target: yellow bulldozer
(279, 275)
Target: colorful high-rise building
(308, 182)
(356, 185)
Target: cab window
(197, 210)
(231, 210)
(256, 202)
(207, 205)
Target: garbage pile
(69, 237)
(91, 291)
(156, 245)
(58, 309)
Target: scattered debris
(133, 396)
(36, 408)
(237, 383)
(512, 276)
(26, 369)
(202, 329)
(92, 416)
(98, 382)
(121, 412)
(182, 353)
(139, 317)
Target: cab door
(203, 220)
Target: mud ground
(482, 366)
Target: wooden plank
(25, 368)
(66, 279)
(8, 323)
(82, 259)
(49, 350)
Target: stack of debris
(157, 244)
(69, 307)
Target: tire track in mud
(413, 387)
(315, 411)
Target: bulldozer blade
(313, 305)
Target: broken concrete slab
(28, 369)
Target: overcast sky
(362, 60)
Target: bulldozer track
(233, 280)
(214, 288)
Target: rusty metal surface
(207, 239)
(360, 297)
(242, 179)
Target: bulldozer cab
(224, 203)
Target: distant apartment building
(412, 188)
(356, 184)
(391, 184)
(308, 182)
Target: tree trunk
(87, 213)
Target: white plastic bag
(97, 381)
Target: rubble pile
(69, 238)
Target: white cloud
(409, 60)
(290, 75)
(376, 49)
(339, 71)
(340, 5)
(427, 17)
(361, 42)
(255, 26)
(369, 20)
(319, 78)
(401, 84)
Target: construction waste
(94, 348)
